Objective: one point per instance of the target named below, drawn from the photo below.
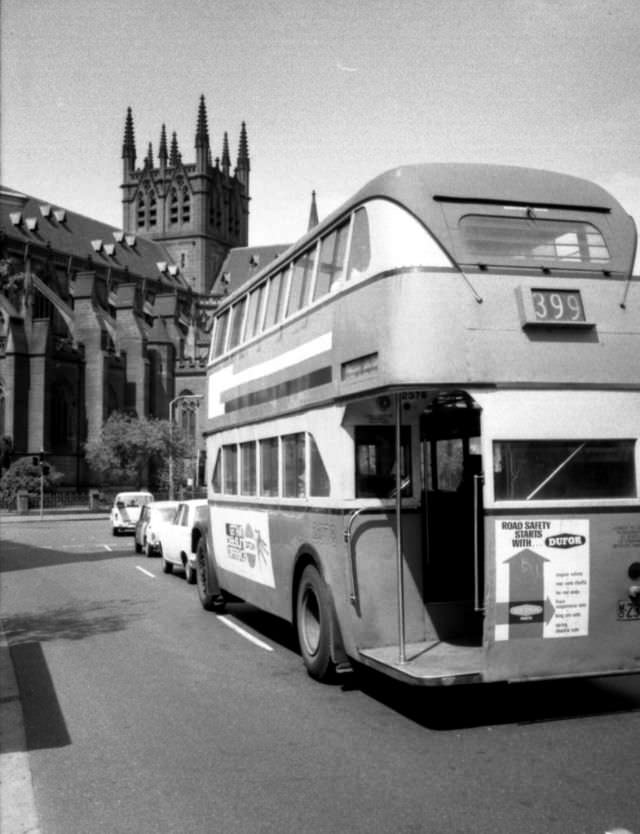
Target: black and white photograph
(319, 416)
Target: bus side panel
(557, 586)
(251, 559)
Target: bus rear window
(567, 242)
(539, 470)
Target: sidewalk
(17, 804)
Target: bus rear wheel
(313, 617)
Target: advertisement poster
(242, 545)
(542, 578)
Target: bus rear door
(452, 517)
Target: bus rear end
(562, 532)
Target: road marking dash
(146, 572)
(107, 547)
(224, 619)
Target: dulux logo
(565, 540)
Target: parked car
(153, 515)
(126, 510)
(179, 538)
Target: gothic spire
(202, 130)
(149, 160)
(162, 153)
(243, 149)
(313, 212)
(243, 165)
(226, 159)
(175, 154)
(129, 142)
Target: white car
(179, 538)
(152, 517)
(126, 510)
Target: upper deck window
(275, 301)
(255, 313)
(333, 250)
(301, 276)
(532, 239)
(237, 320)
(220, 335)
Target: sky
(333, 92)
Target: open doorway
(452, 515)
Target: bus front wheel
(313, 613)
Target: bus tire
(313, 623)
(209, 601)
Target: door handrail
(347, 534)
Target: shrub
(24, 475)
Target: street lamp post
(181, 397)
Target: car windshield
(134, 499)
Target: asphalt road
(143, 713)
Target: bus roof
(423, 188)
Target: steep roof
(243, 262)
(27, 219)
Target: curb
(17, 802)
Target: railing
(94, 499)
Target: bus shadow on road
(17, 556)
(44, 724)
(466, 707)
(443, 708)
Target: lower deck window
(293, 465)
(527, 470)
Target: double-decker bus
(422, 432)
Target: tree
(23, 474)
(135, 451)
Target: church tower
(197, 211)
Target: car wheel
(189, 573)
(313, 617)
(167, 567)
(148, 549)
(138, 547)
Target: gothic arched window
(187, 416)
(153, 210)
(186, 206)
(141, 211)
(173, 207)
(63, 418)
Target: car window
(201, 513)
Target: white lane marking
(224, 619)
(106, 547)
(146, 572)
